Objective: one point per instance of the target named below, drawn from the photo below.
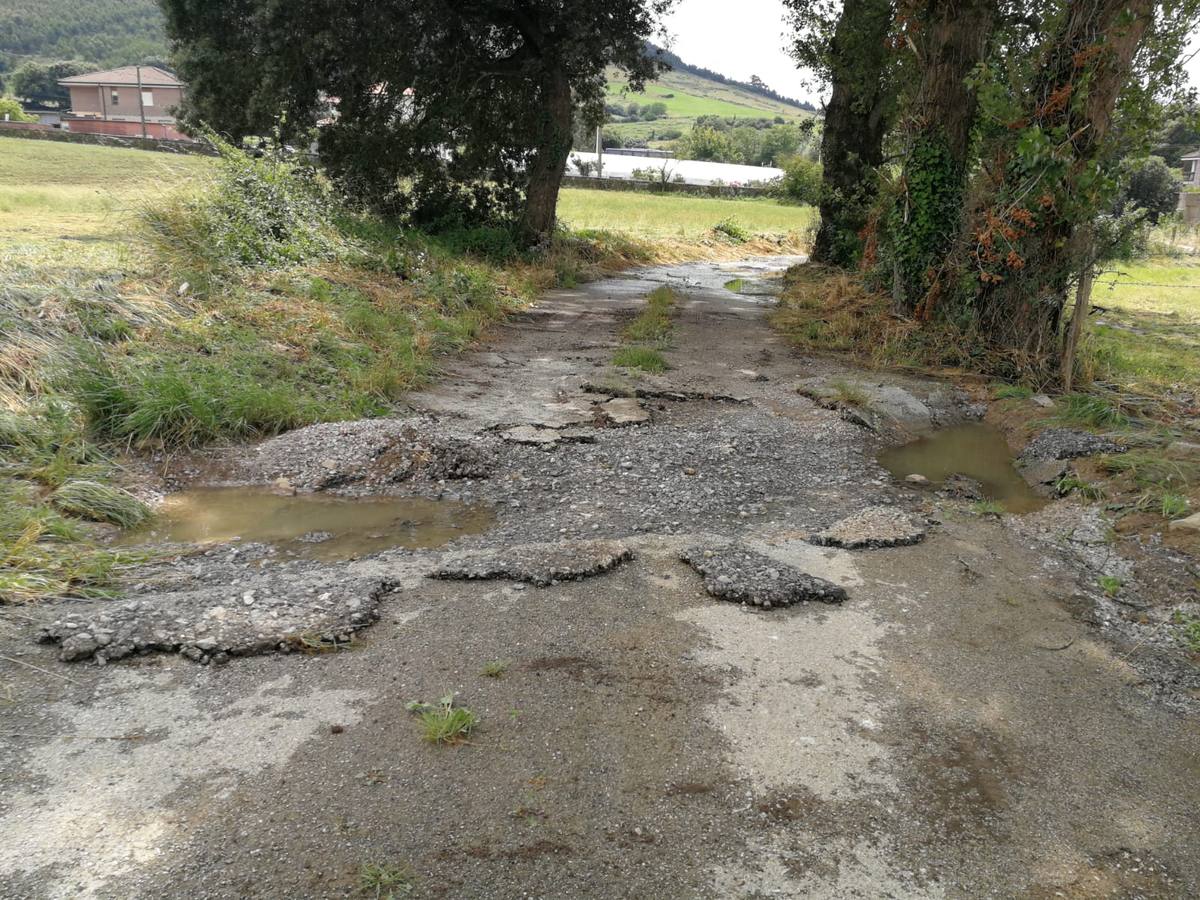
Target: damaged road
(663, 709)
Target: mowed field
(674, 215)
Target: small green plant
(1091, 412)
(1012, 392)
(100, 503)
(732, 230)
(495, 668)
(850, 394)
(645, 358)
(1174, 506)
(443, 722)
(386, 882)
(1110, 584)
(1188, 630)
(987, 508)
(1070, 484)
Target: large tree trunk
(1022, 294)
(950, 40)
(550, 157)
(856, 118)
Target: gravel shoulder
(969, 717)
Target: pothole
(315, 526)
(976, 451)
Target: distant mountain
(104, 32)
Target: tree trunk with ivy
(1049, 181)
(857, 117)
(950, 39)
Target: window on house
(116, 98)
(147, 98)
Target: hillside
(688, 94)
(105, 32)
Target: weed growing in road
(645, 358)
(653, 324)
(443, 722)
(849, 394)
(1085, 489)
(1188, 630)
(494, 669)
(1110, 584)
(386, 882)
(1174, 506)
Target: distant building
(1191, 168)
(130, 101)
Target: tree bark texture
(550, 156)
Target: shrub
(1148, 184)
(732, 230)
(11, 110)
(249, 212)
(802, 180)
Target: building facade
(133, 101)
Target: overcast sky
(740, 38)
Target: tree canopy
(446, 112)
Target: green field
(689, 96)
(675, 215)
(1146, 332)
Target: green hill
(105, 32)
(689, 94)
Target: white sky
(740, 38)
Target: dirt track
(957, 728)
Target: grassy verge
(157, 302)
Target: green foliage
(987, 508)
(1070, 484)
(106, 32)
(443, 722)
(733, 230)
(1149, 185)
(250, 212)
(37, 83)
(1090, 411)
(707, 145)
(386, 882)
(925, 216)
(99, 502)
(1173, 506)
(1012, 392)
(495, 668)
(647, 359)
(653, 324)
(1110, 584)
(1188, 630)
(11, 111)
(802, 181)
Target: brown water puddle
(978, 451)
(311, 525)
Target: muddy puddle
(759, 286)
(977, 451)
(317, 526)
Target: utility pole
(141, 102)
(599, 154)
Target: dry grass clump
(828, 309)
